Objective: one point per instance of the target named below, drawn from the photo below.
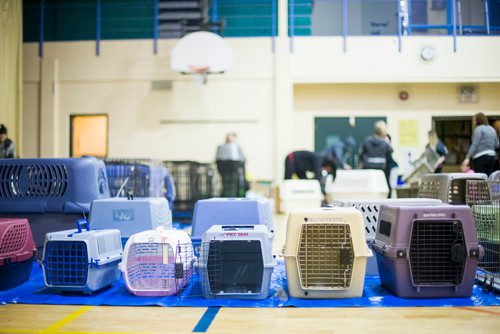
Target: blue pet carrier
(231, 211)
(130, 216)
(81, 260)
(51, 185)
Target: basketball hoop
(200, 71)
(201, 53)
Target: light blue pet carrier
(131, 216)
(231, 211)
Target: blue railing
(71, 20)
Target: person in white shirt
(230, 162)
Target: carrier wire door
(484, 200)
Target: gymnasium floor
(106, 319)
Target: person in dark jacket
(376, 152)
(338, 149)
(300, 162)
(7, 148)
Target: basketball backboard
(201, 53)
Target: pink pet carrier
(157, 262)
(17, 251)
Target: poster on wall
(408, 133)
(408, 142)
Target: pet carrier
(296, 194)
(51, 193)
(139, 177)
(51, 185)
(407, 190)
(448, 187)
(370, 210)
(81, 260)
(193, 181)
(17, 251)
(495, 176)
(158, 262)
(359, 183)
(325, 253)
(231, 211)
(484, 199)
(427, 163)
(236, 262)
(130, 216)
(427, 251)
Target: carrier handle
(81, 222)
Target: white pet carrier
(358, 183)
(296, 194)
(81, 260)
(158, 262)
(325, 253)
(370, 210)
(236, 262)
(448, 187)
(131, 216)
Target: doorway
(89, 135)
(456, 134)
(328, 130)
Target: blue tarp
(374, 295)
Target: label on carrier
(123, 215)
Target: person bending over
(301, 162)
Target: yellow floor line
(54, 327)
(86, 332)
(32, 331)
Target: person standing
(439, 149)
(482, 152)
(376, 152)
(7, 148)
(230, 162)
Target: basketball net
(201, 74)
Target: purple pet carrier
(17, 251)
(427, 251)
(51, 185)
(51, 193)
